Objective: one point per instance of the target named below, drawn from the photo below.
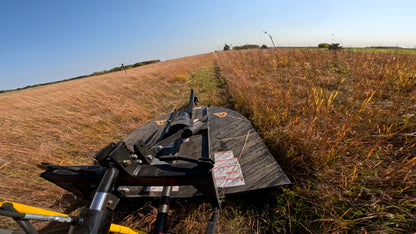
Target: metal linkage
(97, 219)
(103, 198)
(8, 210)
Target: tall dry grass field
(343, 126)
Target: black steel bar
(105, 187)
(162, 215)
(97, 219)
(191, 103)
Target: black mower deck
(242, 161)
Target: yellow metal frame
(115, 228)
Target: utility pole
(339, 40)
(274, 46)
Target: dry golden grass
(342, 125)
(67, 123)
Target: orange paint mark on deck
(160, 122)
(221, 114)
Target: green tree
(247, 46)
(324, 45)
(335, 46)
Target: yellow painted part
(34, 210)
(124, 230)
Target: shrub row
(84, 76)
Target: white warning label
(227, 170)
(160, 188)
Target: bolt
(150, 157)
(134, 156)
(109, 202)
(127, 163)
(123, 189)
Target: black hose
(12, 214)
(24, 224)
(162, 215)
(212, 222)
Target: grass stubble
(341, 124)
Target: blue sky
(43, 41)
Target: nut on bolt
(127, 163)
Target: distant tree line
(384, 47)
(84, 76)
(243, 47)
(333, 46)
(125, 66)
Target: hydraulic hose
(12, 214)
